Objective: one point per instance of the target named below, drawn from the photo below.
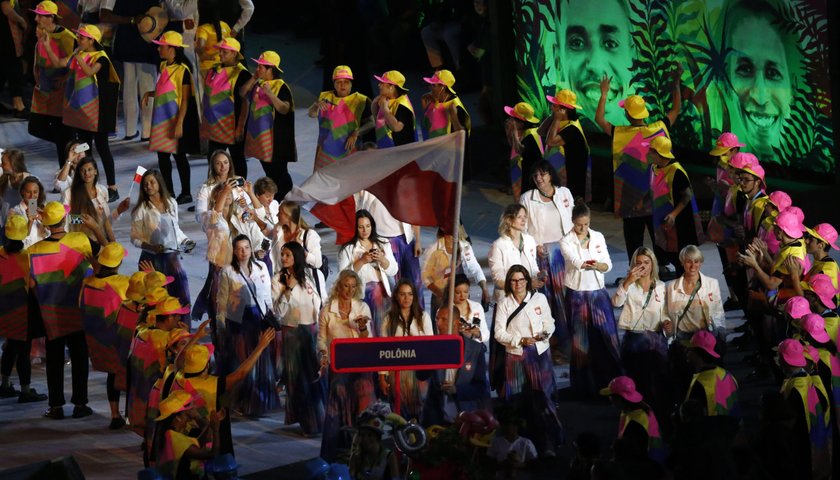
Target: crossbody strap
(687, 306)
(252, 289)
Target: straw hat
(136, 291)
(725, 142)
(826, 234)
(152, 23)
(46, 8)
(662, 145)
(196, 359)
(170, 306)
(232, 44)
(177, 401)
(624, 387)
(392, 77)
(342, 71)
(156, 279)
(442, 77)
(90, 31)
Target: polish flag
(418, 183)
(138, 175)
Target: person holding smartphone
(344, 315)
(595, 359)
(30, 207)
(88, 201)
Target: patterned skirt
(257, 394)
(644, 356)
(409, 265)
(555, 267)
(377, 300)
(304, 388)
(413, 393)
(595, 359)
(169, 264)
(349, 395)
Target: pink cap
(788, 222)
(624, 387)
(780, 199)
(797, 307)
(826, 233)
(724, 142)
(743, 160)
(811, 353)
(705, 341)
(814, 325)
(797, 212)
(792, 353)
(822, 285)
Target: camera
(239, 181)
(75, 219)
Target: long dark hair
(80, 201)
(374, 237)
(394, 317)
(181, 57)
(299, 256)
(42, 195)
(13, 246)
(143, 197)
(251, 261)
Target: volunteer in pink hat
(631, 190)
(820, 292)
(711, 385)
(392, 111)
(819, 241)
(751, 182)
(726, 146)
(344, 116)
(636, 416)
(777, 201)
(796, 308)
(526, 146)
(566, 146)
(174, 114)
(270, 127)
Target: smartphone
(246, 216)
(76, 219)
(239, 181)
(82, 147)
(32, 206)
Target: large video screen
(758, 68)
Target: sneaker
(56, 413)
(81, 411)
(113, 195)
(184, 198)
(8, 392)
(31, 396)
(116, 423)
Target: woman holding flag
(270, 128)
(90, 99)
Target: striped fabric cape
(259, 130)
(14, 294)
(556, 156)
(662, 190)
(48, 95)
(632, 169)
(436, 120)
(721, 391)
(384, 136)
(108, 341)
(335, 124)
(81, 96)
(165, 110)
(516, 161)
(218, 120)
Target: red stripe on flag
(341, 217)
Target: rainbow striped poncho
(81, 96)
(14, 294)
(384, 136)
(48, 95)
(165, 111)
(218, 120)
(175, 444)
(335, 125)
(632, 169)
(436, 120)
(259, 130)
(662, 191)
(556, 156)
(108, 340)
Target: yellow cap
(662, 145)
(90, 31)
(442, 77)
(169, 306)
(269, 58)
(196, 359)
(112, 255)
(392, 77)
(564, 98)
(342, 71)
(634, 105)
(177, 401)
(232, 44)
(170, 39)
(136, 291)
(155, 296)
(46, 8)
(176, 335)
(54, 213)
(155, 279)
(523, 111)
(17, 227)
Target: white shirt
(151, 226)
(332, 326)
(37, 231)
(369, 272)
(475, 317)
(269, 216)
(533, 320)
(300, 306)
(202, 199)
(505, 254)
(386, 224)
(312, 245)
(413, 331)
(706, 305)
(233, 294)
(436, 264)
(575, 255)
(548, 221)
(247, 7)
(89, 6)
(522, 448)
(633, 316)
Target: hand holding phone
(32, 207)
(82, 147)
(75, 219)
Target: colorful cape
(48, 95)
(108, 341)
(175, 444)
(662, 191)
(58, 269)
(384, 136)
(81, 95)
(832, 327)
(516, 161)
(656, 446)
(833, 364)
(436, 120)
(165, 111)
(631, 167)
(336, 123)
(817, 418)
(717, 232)
(218, 120)
(259, 130)
(146, 364)
(203, 387)
(556, 156)
(828, 267)
(721, 391)
(14, 294)
(754, 213)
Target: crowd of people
(271, 314)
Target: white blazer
(548, 221)
(575, 255)
(233, 294)
(368, 272)
(531, 321)
(504, 254)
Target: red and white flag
(418, 184)
(138, 175)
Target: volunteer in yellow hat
(526, 146)
(566, 148)
(443, 111)
(392, 111)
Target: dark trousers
(100, 139)
(16, 354)
(165, 165)
(237, 155)
(279, 172)
(634, 232)
(110, 389)
(77, 345)
(51, 129)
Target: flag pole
(456, 231)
